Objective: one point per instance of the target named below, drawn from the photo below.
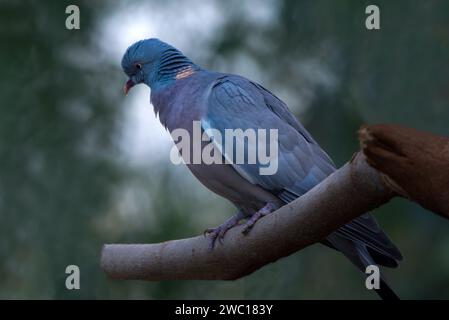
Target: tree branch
(352, 190)
(415, 163)
(410, 163)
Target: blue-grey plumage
(182, 92)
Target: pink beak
(128, 85)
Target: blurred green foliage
(64, 190)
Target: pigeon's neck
(173, 65)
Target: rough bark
(415, 163)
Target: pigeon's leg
(218, 233)
(267, 209)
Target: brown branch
(352, 190)
(413, 164)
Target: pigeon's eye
(138, 66)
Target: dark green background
(62, 175)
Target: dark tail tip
(386, 293)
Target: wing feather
(237, 103)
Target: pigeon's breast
(182, 103)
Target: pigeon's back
(235, 102)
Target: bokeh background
(81, 165)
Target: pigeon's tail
(385, 292)
(360, 256)
(364, 243)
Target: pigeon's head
(152, 61)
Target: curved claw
(212, 238)
(219, 232)
(215, 233)
(251, 222)
(267, 209)
(207, 231)
(247, 227)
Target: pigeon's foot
(267, 209)
(213, 234)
